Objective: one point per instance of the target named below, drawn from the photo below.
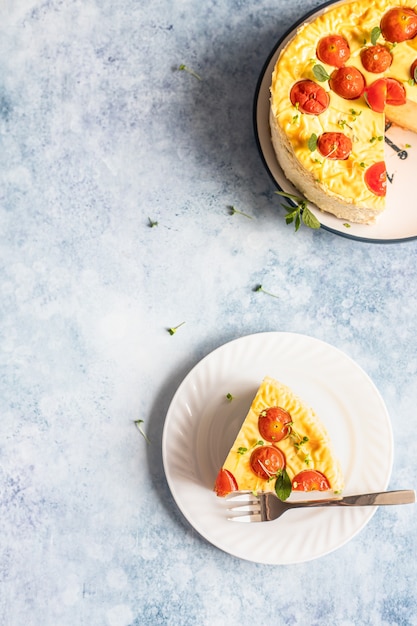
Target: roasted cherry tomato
(376, 59)
(376, 95)
(309, 97)
(413, 71)
(265, 461)
(396, 93)
(399, 24)
(333, 50)
(347, 82)
(376, 178)
(310, 480)
(334, 145)
(225, 483)
(273, 424)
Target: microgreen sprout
(355, 114)
(152, 223)
(268, 293)
(299, 213)
(138, 424)
(184, 68)
(242, 450)
(233, 211)
(229, 397)
(174, 329)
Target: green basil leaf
(375, 34)
(320, 73)
(283, 485)
(312, 142)
(310, 219)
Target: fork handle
(402, 496)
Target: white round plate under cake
(201, 425)
(399, 220)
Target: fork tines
(244, 504)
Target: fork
(266, 506)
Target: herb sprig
(299, 213)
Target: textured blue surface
(99, 131)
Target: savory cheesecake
(334, 86)
(281, 442)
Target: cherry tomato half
(399, 24)
(413, 70)
(265, 461)
(376, 178)
(310, 97)
(334, 145)
(376, 95)
(376, 59)
(225, 483)
(273, 424)
(333, 50)
(396, 93)
(310, 480)
(385, 91)
(347, 82)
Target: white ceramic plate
(201, 425)
(399, 220)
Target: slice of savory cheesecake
(281, 446)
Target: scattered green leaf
(229, 397)
(346, 225)
(184, 68)
(375, 35)
(268, 293)
(138, 424)
(174, 329)
(320, 73)
(242, 450)
(152, 223)
(233, 211)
